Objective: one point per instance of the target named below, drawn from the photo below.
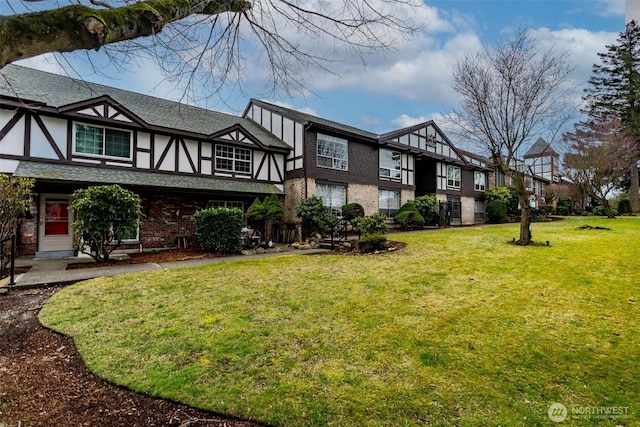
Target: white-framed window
(480, 181)
(389, 164)
(225, 204)
(233, 159)
(333, 196)
(500, 179)
(388, 202)
(101, 141)
(333, 153)
(453, 177)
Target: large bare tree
(602, 154)
(202, 42)
(511, 94)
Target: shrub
(624, 206)
(509, 195)
(371, 243)
(428, 207)
(599, 211)
(409, 220)
(351, 211)
(372, 224)
(565, 206)
(256, 211)
(496, 211)
(545, 209)
(104, 215)
(219, 229)
(315, 215)
(273, 208)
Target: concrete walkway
(48, 272)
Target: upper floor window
(390, 164)
(333, 196)
(479, 181)
(101, 141)
(332, 152)
(233, 159)
(453, 177)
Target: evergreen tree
(615, 92)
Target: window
(101, 141)
(332, 152)
(390, 164)
(333, 196)
(131, 236)
(225, 204)
(388, 202)
(478, 210)
(479, 181)
(453, 177)
(233, 159)
(500, 179)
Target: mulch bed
(44, 381)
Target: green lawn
(457, 329)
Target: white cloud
(46, 62)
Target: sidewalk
(48, 272)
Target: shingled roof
(57, 172)
(53, 90)
(540, 148)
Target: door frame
(63, 243)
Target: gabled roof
(63, 93)
(310, 119)
(540, 148)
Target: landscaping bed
(45, 383)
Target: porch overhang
(97, 175)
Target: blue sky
(411, 83)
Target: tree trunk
(79, 27)
(607, 209)
(525, 223)
(525, 206)
(634, 190)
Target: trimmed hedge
(219, 229)
(496, 211)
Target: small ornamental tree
(315, 215)
(104, 216)
(219, 229)
(352, 211)
(14, 201)
(274, 214)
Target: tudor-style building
(343, 164)
(69, 134)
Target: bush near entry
(219, 229)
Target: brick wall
(166, 219)
(366, 195)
